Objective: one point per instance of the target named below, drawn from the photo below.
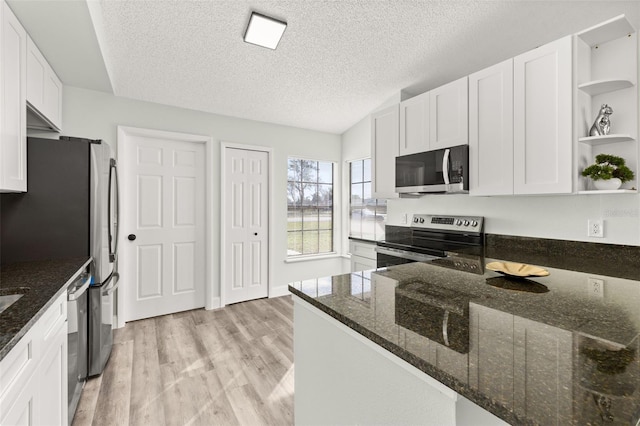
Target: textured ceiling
(337, 61)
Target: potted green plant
(609, 172)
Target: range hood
(37, 121)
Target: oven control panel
(450, 223)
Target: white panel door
(246, 241)
(542, 124)
(449, 111)
(164, 209)
(491, 130)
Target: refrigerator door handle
(114, 215)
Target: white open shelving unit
(607, 73)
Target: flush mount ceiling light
(264, 31)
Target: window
(309, 207)
(367, 215)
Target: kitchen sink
(9, 296)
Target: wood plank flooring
(230, 366)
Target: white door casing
(245, 224)
(164, 204)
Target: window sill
(310, 257)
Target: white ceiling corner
(65, 34)
(337, 60)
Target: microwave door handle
(445, 166)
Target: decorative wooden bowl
(517, 269)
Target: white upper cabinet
(543, 119)
(491, 130)
(13, 138)
(448, 112)
(384, 150)
(414, 124)
(44, 91)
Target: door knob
(255, 233)
(131, 237)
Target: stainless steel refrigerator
(70, 209)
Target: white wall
(96, 115)
(561, 217)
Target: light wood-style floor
(223, 367)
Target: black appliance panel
(50, 220)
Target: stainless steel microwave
(440, 171)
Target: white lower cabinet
(34, 373)
(363, 256)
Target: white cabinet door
(448, 112)
(542, 119)
(44, 88)
(51, 401)
(34, 373)
(491, 130)
(384, 150)
(21, 413)
(414, 124)
(359, 263)
(13, 124)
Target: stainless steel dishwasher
(77, 339)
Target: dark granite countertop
(42, 282)
(544, 350)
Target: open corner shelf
(606, 31)
(608, 191)
(599, 140)
(598, 87)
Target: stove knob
(422, 220)
(466, 223)
(458, 222)
(474, 223)
(415, 220)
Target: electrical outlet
(596, 228)
(596, 287)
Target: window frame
(350, 184)
(318, 207)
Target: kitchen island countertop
(539, 350)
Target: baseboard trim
(215, 304)
(282, 290)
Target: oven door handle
(405, 254)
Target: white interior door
(163, 207)
(246, 238)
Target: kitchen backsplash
(561, 217)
